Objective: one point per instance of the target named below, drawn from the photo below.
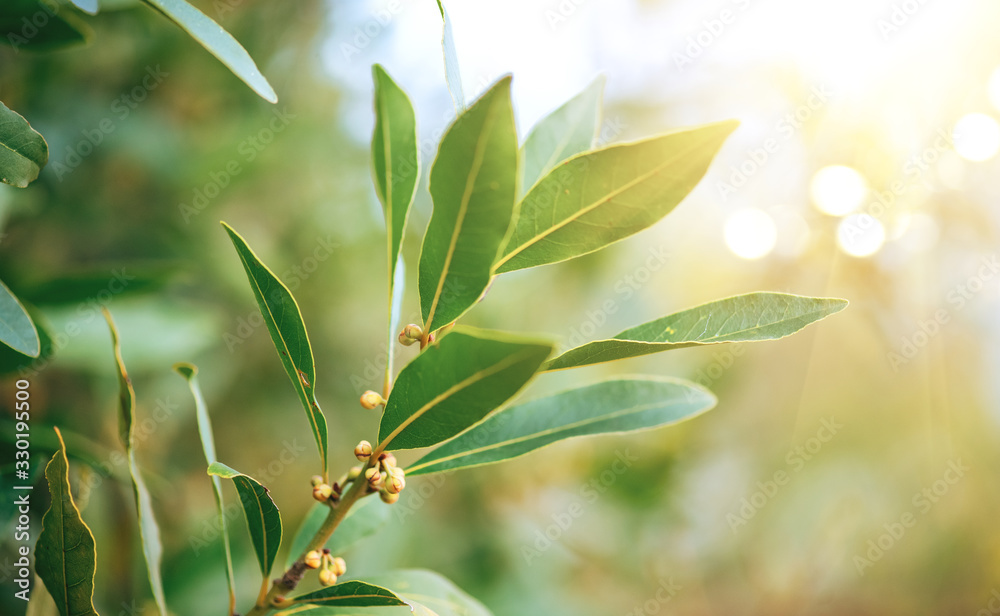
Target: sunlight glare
(751, 233)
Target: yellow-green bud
(373, 476)
(322, 492)
(363, 451)
(410, 334)
(314, 559)
(394, 484)
(338, 566)
(316, 480)
(354, 473)
(387, 497)
(371, 399)
(327, 577)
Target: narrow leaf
(218, 42)
(598, 198)
(455, 383)
(16, 329)
(87, 6)
(743, 318)
(362, 521)
(190, 374)
(149, 530)
(451, 70)
(620, 405)
(352, 594)
(437, 595)
(263, 518)
(62, 29)
(565, 132)
(473, 183)
(65, 556)
(23, 152)
(288, 332)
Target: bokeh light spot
(751, 233)
(977, 137)
(838, 190)
(860, 235)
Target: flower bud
(339, 566)
(314, 559)
(388, 460)
(316, 480)
(322, 492)
(327, 577)
(371, 399)
(388, 498)
(363, 451)
(354, 473)
(394, 484)
(410, 334)
(373, 476)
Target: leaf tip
(185, 369)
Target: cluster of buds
(330, 567)
(323, 491)
(386, 478)
(371, 399)
(411, 334)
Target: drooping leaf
(362, 521)
(431, 591)
(23, 152)
(395, 158)
(451, 71)
(190, 374)
(352, 594)
(16, 329)
(454, 383)
(149, 530)
(218, 42)
(87, 6)
(263, 518)
(59, 28)
(12, 361)
(743, 318)
(288, 331)
(619, 405)
(600, 197)
(65, 556)
(565, 132)
(473, 182)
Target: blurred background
(864, 168)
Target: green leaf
(362, 521)
(12, 361)
(23, 152)
(473, 183)
(19, 29)
(190, 374)
(743, 318)
(619, 405)
(65, 557)
(87, 6)
(352, 594)
(218, 42)
(395, 158)
(149, 531)
(451, 70)
(434, 593)
(454, 383)
(16, 329)
(288, 331)
(598, 198)
(565, 132)
(263, 519)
